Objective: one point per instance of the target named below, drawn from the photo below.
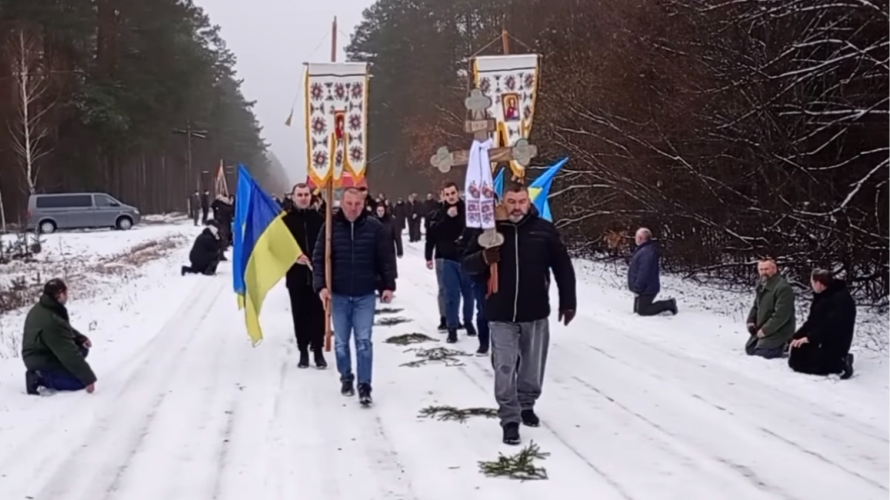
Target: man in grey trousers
(518, 313)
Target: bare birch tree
(28, 127)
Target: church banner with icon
(336, 101)
(511, 82)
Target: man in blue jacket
(643, 277)
(361, 252)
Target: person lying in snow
(206, 253)
(53, 351)
(822, 345)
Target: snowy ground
(633, 408)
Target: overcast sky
(272, 39)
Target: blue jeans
(480, 288)
(457, 284)
(353, 315)
(62, 380)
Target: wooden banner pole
(328, 221)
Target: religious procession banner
(336, 101)
(511, 82)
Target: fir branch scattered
(391, 321)
(409, 338)
(520, 466)
(443, 413)
(446, 356)
(387, 310)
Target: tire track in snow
(95, 470)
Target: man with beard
(518, 313)
(361, 255)
(414, 211)
(771, 322)
(390, 225)
(305, 223)
(822, 345)
(442, 242)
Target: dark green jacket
(773, 312)
(50, 343)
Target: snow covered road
(633, 408)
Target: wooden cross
(480, 126)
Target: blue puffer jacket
(361, 254)
(643, 276)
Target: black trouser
(204, 216)
(225, 233)
(195, 215)
(207, 268)
(308, 313)
(646, 305)
(414, 229)
(815, 360)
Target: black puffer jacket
(305, 225)
(361, 251)
(831, 321)
(205, 250)
(531, 248)
(444, 232)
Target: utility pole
(190, 132)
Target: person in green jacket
(771, 321)
(53, 351)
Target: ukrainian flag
(539, 190)
(264, 250)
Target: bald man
(643, 277)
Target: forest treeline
(93, 92)
(734, 130)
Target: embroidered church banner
(336, 101)
(511, 82)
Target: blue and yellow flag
(499, 184)
(264, 250)
(539, 190)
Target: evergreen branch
(520, 466)
(409, 338)
(447, 356)
(444, 413)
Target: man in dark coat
(223, 214)
(400, 214)
(771, 322)
(518, 313)
(442, 243)
(822, 345)
(206, 252)
(361, 251)
(305, 223)
(195, 206)
(414, 213)
(205, 206)
(390, 225)
(429, 208)
(643, 277)
(53, 351)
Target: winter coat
(831, 321)
(223, 211)
(414, 210)
(205, 201)
(50, 343)
(643, 275)
(400, 213)
(444, 232)
(532, 248)
(360, 252)
(305, 225)
(773, 312)
(428, 207)
(390, 225)
(205, 250)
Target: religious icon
(511, 107)
(338, 125)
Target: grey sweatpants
(440, 281)
(518, 355)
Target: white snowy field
(633, 408)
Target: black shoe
(529, 418)
(460, 326)
(471, 330)
(442, 326)
(304, 359)
(364, 394)
(673, 307)
(320, 362)
(185, 270)
(32, 383)
(482, 352)
(452, 336)
(223, 258)
(848, 367)
(347, 389)
(511, 434)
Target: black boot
(320, 362)
(848, 367)
(511, 434)
(529, 418)
(32, 383)
(442, 326)
(347, 389)
(482, 351)
(185, 270)
(673, 306)
(452, 336)
(304, 359)
(471, 330)
(364, 394)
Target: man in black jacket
(414, 213)
(361, 251)
(442, 242)
(206, 252)
(517, 314)
(390, 226)
(644, 277)
(822, 345)
(305, 224)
